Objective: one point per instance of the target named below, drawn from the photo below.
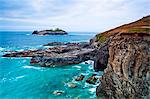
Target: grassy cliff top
(139, 26)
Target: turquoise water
(18, 79)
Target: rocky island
(123, 53)
(56, 31)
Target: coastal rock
(101, 58)
(127, 72)
(80, 78)
(70, 44)
(58, 92)
(92, 79)
(35, 32)
(54, 44)
(72, 85)
(56, 31)
(57, 56)
(60, 58)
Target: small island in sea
(56, 31)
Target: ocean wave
(11, 79)
(90, 67)
(92, 90)
(77, 66)
(32, 67)
(20, 50)
(2, 49)
(19, 77)
(28, 34)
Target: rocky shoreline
(123, 53)
(64, 54)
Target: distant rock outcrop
(70, 53)
(128, 54)
(56, 31)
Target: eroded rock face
(128, 70)
(101, 59)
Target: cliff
(127, 51)
(102, 40)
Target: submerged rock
(58, 92)
(92, 79)
(80, 78)
(72, 85)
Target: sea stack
(56, 31)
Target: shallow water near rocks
(18, 79)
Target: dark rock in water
(63, 58)
(80, 44)
(56, 56)
(70, 44)
(80, 78)
(35, 32)
(55, 61)
(86, 63)
(58, 92)
(54, 44)
(92, 79)
(57, 31)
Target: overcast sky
(70, 15)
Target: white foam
(90, 62)
(3, 79)
(20, 50)
(90, 67)
(11, 79)
(2, 49)
(77, 66)
(19, 77)
(32, 67)
(92, 90)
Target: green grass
(139, 30)
(56, 30)
(100, 38)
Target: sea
(20, 80)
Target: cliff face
(128, 69)
(103, 40)
(127, 74)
